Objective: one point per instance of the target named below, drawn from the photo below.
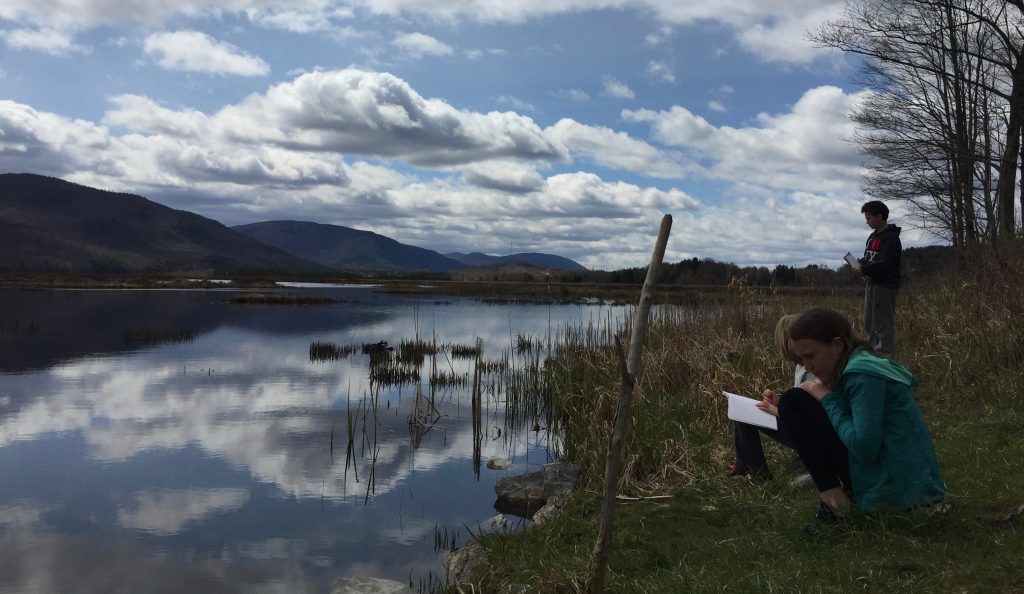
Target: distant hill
(344, 248)
(533, 258)
(50, 225)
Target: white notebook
(744, 410)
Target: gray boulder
(525, 494)
(499, 464)
(459, 564)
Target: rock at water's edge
(459, 564)
(525, 494)
(499, 464)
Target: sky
(567, 127)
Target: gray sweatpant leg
(880, 318)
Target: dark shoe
(735, 470)
(760, 475)
(825, 515)
(822, 516)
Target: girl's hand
(769, 403)
(816, 388)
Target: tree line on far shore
(918, 264)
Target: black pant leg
(749, 451)
(815, 440)
(749, 448)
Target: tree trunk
(1008, 165)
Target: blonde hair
(783, 341)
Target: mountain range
(532, 258)
(51, 225)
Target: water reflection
(219, 464)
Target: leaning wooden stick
(630, 369)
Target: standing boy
(881, 267)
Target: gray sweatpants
(880, 318)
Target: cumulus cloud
(32, 140)
(615, 88)
(515, 103)
(328, 146)
(506, 176)
(297, 134)
(193, 51)
(807, 146)
(589, 194)
(661, 71)
(137, 112)
(418, 45)
(659, 37)
(614, 149)
(772, 30)
(715, 105)
(576, 95)
(373, 113)
(352, 112)
(45, 40)
(302, 19)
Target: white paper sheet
(851, 260)
(744, 410)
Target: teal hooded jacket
(875, 414)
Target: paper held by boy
(744, 410)
(849, 259)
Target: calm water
(206, 465)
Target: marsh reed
(329, 351)
(15, 328)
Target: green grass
(718, 534)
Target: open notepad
(849, 259)
(744, 410)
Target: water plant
(464, 351)
(279, 298)
(152, 336)
(18, 328)
(329, 351)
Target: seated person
(885, 458)
(750, 459)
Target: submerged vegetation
(280, 298)
(963, 335)
(151, 336)
(15, 328)
(328, 351)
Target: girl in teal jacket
(870, 403)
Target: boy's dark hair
(876, 207)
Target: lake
(175, 441)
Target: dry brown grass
(950, 332)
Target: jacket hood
(894, 229)
(862, 361)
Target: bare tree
(943, 117)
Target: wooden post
(629, 370)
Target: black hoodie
(881, 261)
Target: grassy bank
(965, 339)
